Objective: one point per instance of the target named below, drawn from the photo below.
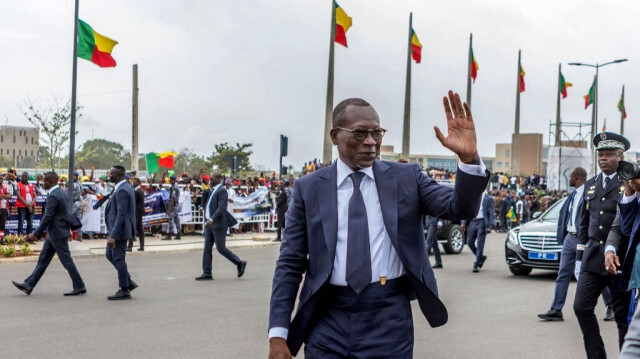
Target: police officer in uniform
(173, 209)
(601, 195)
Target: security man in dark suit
(139, 195)
(600, 199)
(120, 218)
(218, 220)
(54, 221)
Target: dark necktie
(606, 181)
(358, 274)
(570, 219)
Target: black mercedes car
(533, 244)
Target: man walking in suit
(54, 221)
(139, 195)
(433, 224)
(217, 222)
(602, 193)
(478, 228)
(567, 235)
(120, 216)
(354, 230)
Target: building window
(32, 140)
(1, 138)
(507, 153)
(14, 139)
(506, 164)
(19, 152)
(26, 140)
(31, 153)
(499, 164)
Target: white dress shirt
(480, 215)
(571, 226)
(377, 232)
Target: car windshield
(553, 213)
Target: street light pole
(596, 93)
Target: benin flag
(343, 23)
(588, 98)
(564, 85)
(152, 162)
(511, 216)
(95, 47)
(166, 159)
(521, 79)
(416, 47)
(621, 106)
(474, 67)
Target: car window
(553, 213)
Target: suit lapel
(387, 186)
(613, 184)
(327, 195)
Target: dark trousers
(61, 248)
(476, 235)
(116, 256)
(219, 238)
(3, 218)
(24, 214)
(432, 242)
(139, 233)
(590, 285)
(376, 323)
(565, 272)
(280, 224)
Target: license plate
(546, 256)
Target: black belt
(477, 219)
(391, 285)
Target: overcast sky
(250, 70)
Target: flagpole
(469, 71)
(515, 145)
(134, 120)
(622, 114)
(328, 145)
(406, 124)
(594, 125)
(72, 130)
(558, 96)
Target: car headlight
(512, 237)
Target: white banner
(562, 161)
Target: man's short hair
(119, 168)
(52, 176)
(338, 112)
(580, 172)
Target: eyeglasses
(360, 133)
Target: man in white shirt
(354, 231)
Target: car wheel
(518, 270)
(455, 240)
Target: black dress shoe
(205, 277)
(437, 266)
(120, 295)
(551, 316)
(167, 238)
(23, 287)
(484, 259)
(476, 269)
(140, 249)
(241, 268)
(132, 285)
(177, 238)
(609, 316)
(78, 291)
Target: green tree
(5, 161)
(53, 123)
(102, 153)
(27, 162)
(217, 158)
(188, 161)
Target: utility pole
(406, 123)
(134, 121)
(328, 114)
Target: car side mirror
(536, 215)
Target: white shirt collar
(120, 184)
(215, 188)
(344, 171)
(53, 188)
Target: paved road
(492, 314)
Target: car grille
(545, 243)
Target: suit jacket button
(601, 212)
(602, 199)
(601, 242)
(600, 227)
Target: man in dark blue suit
(54, 221)
(120, 217)
(354, 231)
(478, 228)
(218, 220)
